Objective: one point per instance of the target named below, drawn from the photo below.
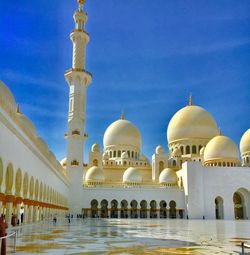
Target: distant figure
(13, 220)
(54, 219)
(69, 219)
(3, 226)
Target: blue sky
(145, 57)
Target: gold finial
(80, 4)
(122, 116)
(18, 109)
(220, 132)
(190, 99)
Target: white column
(8, 215)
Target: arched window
(224, 164)
(200, 147)
(194, 149)
(110, 154)
(114, 154)
(119, 153)
(128, 153)
(187, 149)
(174, 163)
(219, 164)
(125, 163)
(132, 154)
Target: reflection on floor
(128, 236)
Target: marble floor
(132, 236)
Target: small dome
(95, 147)
(124, 155)
(105, 156)
(221, 148)
(168, 176)
(132, 175)
(94, 175)
(63, 162)
(7, 100)
(176, 152)
(159, 149)
(202, 150)
(191, 122)
(122, 132)
(26, 124)
(245, 143)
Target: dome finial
(220, 132)
(122, 117)
(190, 99)
(80, 4)
(18, 109)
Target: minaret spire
(80, 5)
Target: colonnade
(28, 198)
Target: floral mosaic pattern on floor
(131, 236)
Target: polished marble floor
(132, 236)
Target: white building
(202, 176)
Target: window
(174, 163)
(194, 149)
(114, 154)
(182, 150)
(161, 166)
(187, 149)
(110, 154)
(119, 153)
(132, 154)
(95, 162)
(128, 153)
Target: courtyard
(131, 236)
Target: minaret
(78, 79)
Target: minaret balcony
(76, 132)
(73, 73)
(74, 163)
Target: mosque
(202, 175)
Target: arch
(114, 154)
(95, 162)
(143, 210)
(25, 185)
(18, 182)
(119, 154)
(9, 179)
(187, 149)
(194, 151)
(94, 208)
(104, 208)
(41, 191)
(161, 166)
(133, 211)
(241, 200)
(114, 209)
(174, 162)
(44, 192)
(219, 208)
(163, 209)
(172, 211)
(31, 188)
(36, 189)
(153, 210)
(124, 208)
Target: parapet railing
(7, 236)
(243, 246)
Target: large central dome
(191, 122)
(122, 132)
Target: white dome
(105, 156)
(202, 150)
(63, 162)
(95, 147)
(132, 175)
(124, 155)
(159, 149)
(245, 143)
(176, 152)
(168, 176)
(26, 124)
(221, 148)
(7, 100)
(191, 122)
(95, 175)
(122, 132)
